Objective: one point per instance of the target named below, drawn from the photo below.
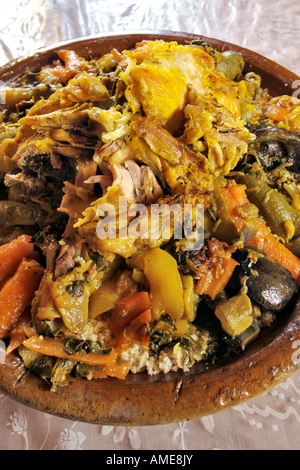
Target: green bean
(274, 207)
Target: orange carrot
(284, 108)
(264, 239)
(216, 268)
(130, 320)
(129, 308)
(217, 279)
(118, 371)
(138, 329)
(17, 293)
(235, 197)
(116, 55)
(72, 65)
(55, 347)
(12, 253)
(220, 281)
(21, 331)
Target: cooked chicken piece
(146, 227)
(136, 183)
(105, 181)
(73, 137)
(81, 89)
(66, 108)
(66, 118)
(182, 169)
(122, 178)
(159, 75)
(147, 188)
(78, 196)
(223, 136)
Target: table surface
(270, 421)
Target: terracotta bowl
(161, 399)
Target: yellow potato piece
(235, 314)
(189, 298)
(104, 298)
(166, 291)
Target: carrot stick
(265, 241)
(72, 64)
(17, 293)
(118, 371)
(12, 253)
(216, 282)
(129, 308)
(235, 197)
(55, 347)
(138, 329)
(21, 331)
(219, 282)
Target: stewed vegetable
(150, 203)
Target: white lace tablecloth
(270, 421)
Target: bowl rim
(182, 395)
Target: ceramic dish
(177, 396)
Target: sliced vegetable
(72, 303)
(235, 197)
(247, 336)
(221, 276)
(264, 239)
(72, 65)
(104, 298)
(274, 207)
(190, 298)
(166, 291)
(216, 271)
(55, 347)
(235, 314)
(17, 293)
(138, 328)
(12, 253)
(224, 229)
(119, 371)
(181, 327)
(129, 308)
(130, 319)
(285, 110)
(22, 330)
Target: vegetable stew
(150, 203)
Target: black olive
(275, 146)
(268, 283)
